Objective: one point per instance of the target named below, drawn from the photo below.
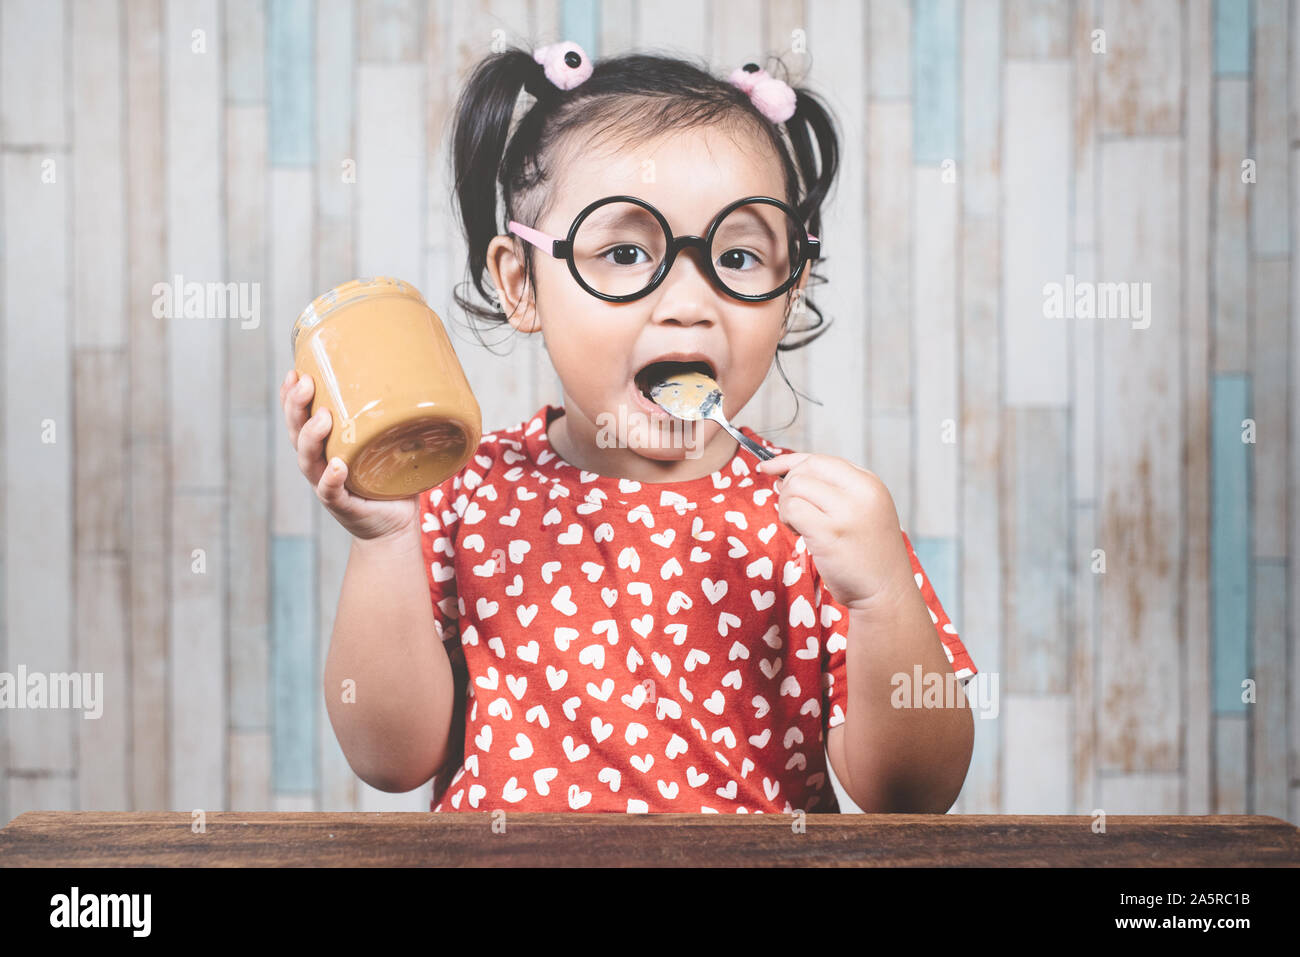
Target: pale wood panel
(1268, 727)
(335, 209)
(889, 49)
(293, 502)
(245, 251)
(1231, 276)
(1231, 747)
(250, 771)
(1269, 406)
(1036, 524)
(617, 27)
(1139, 498)
(250, 577)
(146, 219)
(256, 422)
(98, 244)
(390, 170)
(150, 616)
(1155, 793)
(1037, 28)
(245, 48)
(673, 26)
(193, 159)
(196, 390)
(101, 437)
(1087, 67)
(1088, 789)
(835, 32)
(934, 263)
(388, 31)
(287, 803)
(103, 742)
(735, 35)
(335, 146)
(1140, 89)
(1036, 769)
(1084, 335)
(196, 654)
(150, 496)
(1270, 226)
(33, 57)
(981, 65)
(38, 535)
(44, 791)
(1293, 551)
(979, 441)
(1036, 142)
(1196, 338)
(889, 242)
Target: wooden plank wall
(1106, 504)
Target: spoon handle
(758, 450)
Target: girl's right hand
(365, 518)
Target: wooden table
(405, 839)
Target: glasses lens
(618, 247)
(756, 249)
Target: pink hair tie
(774, 98)
(565, 64)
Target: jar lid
(345, 293)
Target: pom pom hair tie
(565, 64)
(772, 97)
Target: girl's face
(597, 347)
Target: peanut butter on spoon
(692, 396)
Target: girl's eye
(626, 255)
(734, 258)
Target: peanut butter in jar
(403, 416)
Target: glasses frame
(809, 247)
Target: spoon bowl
(693, 396)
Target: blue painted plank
(580, 24)
(1231, 36)
(294, 679)
(290, 42)
(935, 68)
(1230, 547)
(938, 558)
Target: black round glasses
(620, 248)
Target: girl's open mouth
(654, 373)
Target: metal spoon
(693, 396)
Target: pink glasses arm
(539, 239)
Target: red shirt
(634, 647)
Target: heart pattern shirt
(629, 647)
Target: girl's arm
(911, 759)
(395, 733)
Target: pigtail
(484, 112)
(812, 123)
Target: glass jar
(403, 415)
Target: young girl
(633, 615)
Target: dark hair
(668, 94)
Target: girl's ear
(514, 294)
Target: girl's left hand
(848, 521)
